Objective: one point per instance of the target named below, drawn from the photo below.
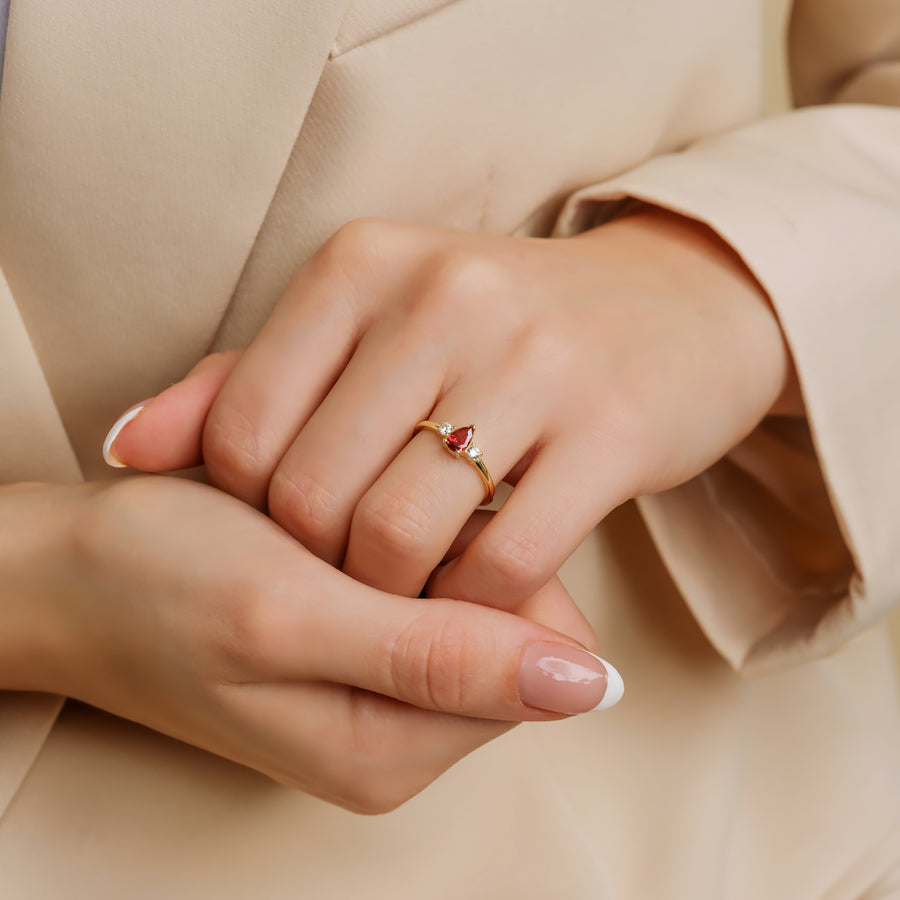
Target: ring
(460, 442)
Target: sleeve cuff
(789, 547)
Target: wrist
(36, 525)
(693, 256)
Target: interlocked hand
(596, 369)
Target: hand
(598, 368)
(176, 606)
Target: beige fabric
(163, 170)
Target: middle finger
(360, 426)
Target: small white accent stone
(473, 452)
(445, 428)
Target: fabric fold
(772, 190)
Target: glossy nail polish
(565, 679)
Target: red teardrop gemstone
(461, 438)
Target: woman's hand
(176, 606)
(596, 369)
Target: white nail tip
(615, 686)
(108, 454)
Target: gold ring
(460, 442)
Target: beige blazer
(165, 167)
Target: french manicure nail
(560, 678)
(109, 453)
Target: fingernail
(564, 679)
(109, 453)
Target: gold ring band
(460, 442)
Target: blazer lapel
(35, 447)
(140, 147)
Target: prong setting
(460, 442)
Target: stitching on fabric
(337, 52)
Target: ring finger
(404, 524)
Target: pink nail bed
(565, 679)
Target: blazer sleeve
(790, 546)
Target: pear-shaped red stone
(461, 438)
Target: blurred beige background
(778, 99)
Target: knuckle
(304, 506)
(433, 662)
(543, 349)
(235, 454)
(359, 242)
(360, 254)
(463, 276)
(392, 523)
(360, 232)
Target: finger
(552, 605)
(281, 379)
(368, 752)
(552, 509)
(437, 654)
(164, 433)
(299, 354)
(474, 525)
(365, 751)
(363, 423)
(403, 526)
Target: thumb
(164, 433)
(439, 654)
(475, 661)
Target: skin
(599, 368)
(179, 607)
(596, 368)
